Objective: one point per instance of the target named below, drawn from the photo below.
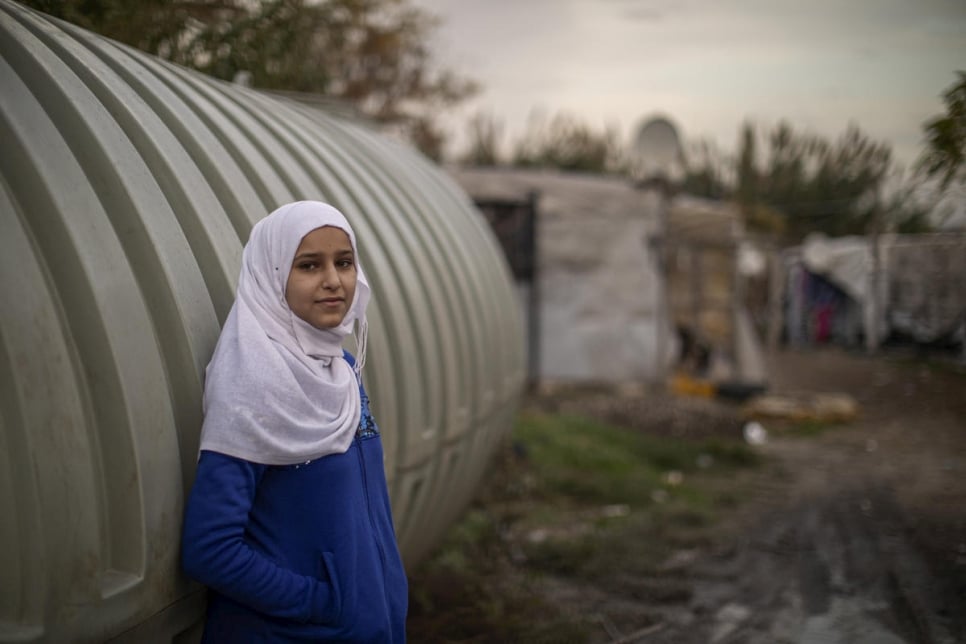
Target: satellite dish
(657, 151)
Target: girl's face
(322, 281)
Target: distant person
(288, 522)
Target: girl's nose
(330, 278)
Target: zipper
(372, 522)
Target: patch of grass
(476, 532)
(575, 503)
(808, 428)
(591, 462)
(731, 454)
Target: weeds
(573, 505)
(808, 428)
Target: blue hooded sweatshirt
(297, 553)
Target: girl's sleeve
(214, 550)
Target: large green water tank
(127, 189)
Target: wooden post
(664, 300)
(533, 301)
(737, 304)
(776, 293)
(697, 290)
(874, 306)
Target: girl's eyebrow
(313, 254)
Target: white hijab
(278, 391)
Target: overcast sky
(708, 65)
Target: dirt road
(851, 533)
(856, 536)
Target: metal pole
(874, 313)
(663, 299)
(533, 303)
(776, 290)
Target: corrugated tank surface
(127, 188)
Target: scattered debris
(637, 636)
(728, 619)
(755, 434)
(849, 536)
(685, 385)
(673, 478)
(680, 560)
(822, 407)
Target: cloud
(711, 64)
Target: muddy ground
(863, 538)
(852, 534)
(857, 535)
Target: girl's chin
(326, 322)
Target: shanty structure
(587, 270)
(709, 262)
(857, 291)
(620, 280)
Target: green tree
(706, 171)
(798, 182)
(945, 153)
(567, 143)
(371, 54)
(485, 132)
(748, 179)
(816, 185)
(154, 26)
(834, 187)
(908, 211)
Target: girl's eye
(307, 266)
(345, 263)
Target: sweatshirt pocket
(327, 604)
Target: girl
(288, 522)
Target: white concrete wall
(599, 286)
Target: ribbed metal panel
(127, 189)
